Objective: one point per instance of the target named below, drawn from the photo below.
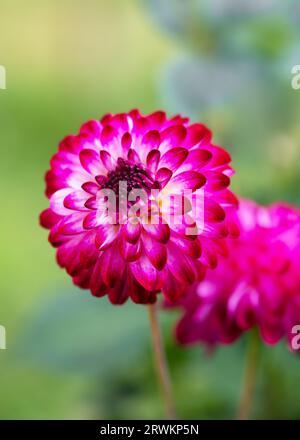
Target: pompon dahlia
(258, 284)
(138, 205)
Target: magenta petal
(101, 180)
(271, 332)
(119, 293)
(216, 181)
(171, 288)
(180, 265)
(91, 203)
(175, 135)
(132, 232)
(106, 160)
(68, 256)
(197, 133)
(151, 138)
(208, 257)
(92, 128)
(144, 273)
(163, 176)
(173, 158)
(72, 224)
(188, 246)
(57, 201)
(153, 159)
(137, 292)
(108, 134)
(213, 212)
(82, 278)
(112, 266)
(188, 180)
(48, 218)
(97, 284)
(196, 160)
(76, 200)
(155, 251)
(160, 232)
(220, 156)
(90, 187)
(141, 126)
(70, 144)
(92, 220)
(89, 159)
(105, 235)
(156, 119)
(88, 252)
(119, 122)
(126, 141)
(133, 156)
(130, 252)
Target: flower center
(135, 176)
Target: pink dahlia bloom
(120, 252)
(258, 284)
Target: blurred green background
(70, 355)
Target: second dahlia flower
(117, 241)
(258, 284)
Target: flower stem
(249, 379)
(161, 363)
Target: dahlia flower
(124, 212)
(258, 284)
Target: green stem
(249, 380)
(161, 363)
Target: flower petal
(89, 159)
(144, 273)
(76, 200)
(160, 232)
(188, 180)
(173, 158)
(155, 251)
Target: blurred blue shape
(194, 85)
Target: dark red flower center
(133, 174)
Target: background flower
(257, 285)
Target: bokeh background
(224, 62)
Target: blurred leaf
(78, 332)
